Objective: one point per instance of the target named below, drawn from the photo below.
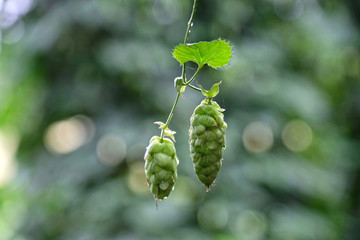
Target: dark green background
(104, 69)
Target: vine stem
(190, 22)
(169, 117)
(189, 25)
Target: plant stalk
(189, 25)
(170, 116)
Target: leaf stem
(183, 70)
(195, 88)
(193, 77)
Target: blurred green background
(82, 81)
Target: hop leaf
(215, 54)
(212, 92)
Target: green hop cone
(207, 140)
(161, 167)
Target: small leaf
(170, 133)
(161, 124)
(215, 54)
(167, 131)
(212, 92)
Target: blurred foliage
(82, 81)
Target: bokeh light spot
(257, 137)
(11, 10)
(17, 7)
(136, 179)
(8, 167)
(66, 136)
(297, 135)
(111, 150)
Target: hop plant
(207, 140)
(207, 131)
(160, 166)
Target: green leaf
(170, 133)
(215, 54)
(161, 124)
(212, 92)
(167, 131)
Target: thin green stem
(195, 88)
(189, 25)
(170, 116)
(193, 77)
(183, 70)
(190, 21)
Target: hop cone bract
(207, 140)
(160, 166)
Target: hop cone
(160, 167)
(207, 140)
